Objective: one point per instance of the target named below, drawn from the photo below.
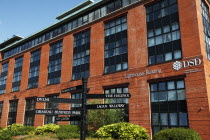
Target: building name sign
(145, 73)
(187, 64)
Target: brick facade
(196, 84)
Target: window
(168, 105)
(12, 112)
(54, 68)
(116, 46)
(206, 26)
(29, 113)
(3, 77)
(75, 106)
(118, 90)
(17, 74)
(34, 69)
(81, 57)
(50, 105)
(163, 32)
(1, 108)
(77, 22)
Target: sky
(25, 17)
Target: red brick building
(158, 51)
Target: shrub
(18, 129)
(67, 132)
(48, 128)
(123, 130)
(177, 134)
(5, 135)
(62, 136)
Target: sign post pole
(84, 111)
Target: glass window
(206, 22)
(51, 105)
(163, 33)
(116, 50)
(12, 112)
(29, 112)
(81, 56)
(54, 67)
(168, 100)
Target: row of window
(168, 108)
(206, 26)
(163, 43)
(98, 13)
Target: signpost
(75, 118)
(98, 96)
(58, 100)
(106, 106)
(57, 112)
(71, 89)
(81, 113)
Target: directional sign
(106, 106)
(71, 89)
(78, 118)
(58, 100)
(57, 112)
(96, 96)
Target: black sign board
(106, 106)
(58, 100)
(71, 89)
(96, 96)
(78, 118)
(57, 112)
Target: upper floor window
(17, 74)
(3, 77)
(163, 32)
(54, 67)
(34, 69)
(116, 45)
(1, 108)
(81, 20)
(18, 62)
(5, 67)
(81, 56)
(206, 26)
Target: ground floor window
(12, 112)
(76, 106)
(30, 112)
(51, 105)
(168, 105)
(118, 90)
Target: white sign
(147, 72)
(185, 64)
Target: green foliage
(5, 135)
(123, 130)
(67, 132)
(177, 134)
(15, 130)
(62, 136)
(48, 128)
(100, 117)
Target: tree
(100, 117)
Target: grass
(47, 137)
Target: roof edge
(76, 8)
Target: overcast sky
(25, 17)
